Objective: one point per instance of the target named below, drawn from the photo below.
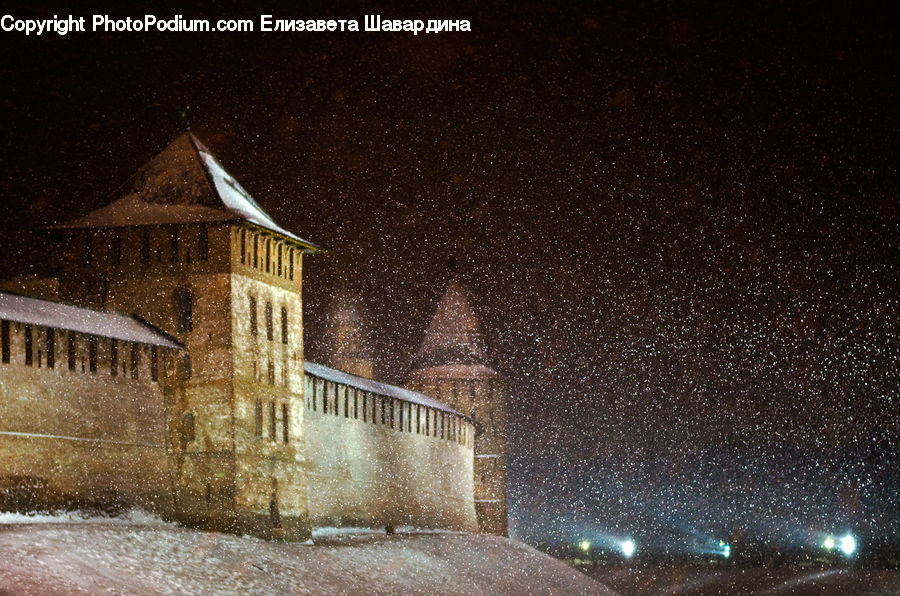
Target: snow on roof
(235, 198)
(182, 184)
(453, 336)
(32, 311)
(339, 376)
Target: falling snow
(679, 229)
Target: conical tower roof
(182, 184)
(453, 336)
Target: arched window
(269, 323)
(184, 303)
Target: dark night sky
(678, 223)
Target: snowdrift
(71, 556)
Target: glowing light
(724, 549)
(848, 545)
(585, 545)
(627, 547)
(829, 543)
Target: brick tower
(185, 247)
(451, 366)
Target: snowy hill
(145, 556)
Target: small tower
(451, 366)
(347, 350)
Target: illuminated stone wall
(376, 473)
(478, 392)
(82, 438)
(229, 440)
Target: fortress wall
(82, 437)
(372, 473)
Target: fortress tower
(186, 248)
(451, 367)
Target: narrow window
(401, 416)
(92, 353)
(256, 250)
(115, 250)
(173, 246)
(284, 325)
(145, 247)
(113, 357)
(278, 247)
(185, 366)
(243, 247)
(154, 364)
(268, 254)
(271, 373)
(188, 427)
(272, 424)
(346, 402)
(184, 304)
(88, 248)
(409, 417)
(135, 359)
(356, 403)
(70, 350)
(269, 326)
(4, 341)
(392, 405)
(314, 383)
(258, 419)
(291, 264)
(28, 346)
(284, 423)
(427, 422)
(204, 244)
(365, 407)
(418, 420)
(253, 315)
(373, 409)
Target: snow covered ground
(67, 554)
(640, 579)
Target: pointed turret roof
(453, 336)
(182, 184)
